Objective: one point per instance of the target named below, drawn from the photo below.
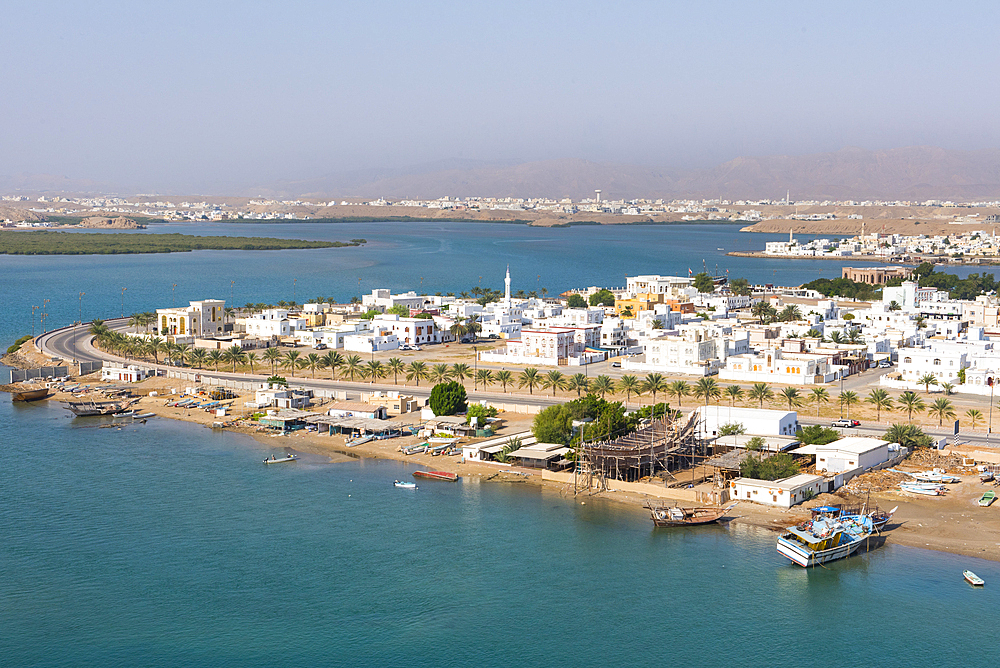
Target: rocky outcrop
(119, 223)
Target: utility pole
(123, 301)
(33, 309)
(79, 324)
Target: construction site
(661, 448)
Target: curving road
(75, 343)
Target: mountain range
(913, 173)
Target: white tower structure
(598, 193)
(506, 288)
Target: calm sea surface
(168, 544)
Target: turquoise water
(168, 544)
(427, 257)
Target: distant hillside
(912, 173)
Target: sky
(216, 97)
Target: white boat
(359, 441)
(935, 476)
(926, 491)
(405, 485)
(441, 440)
(824, 539)
(973, 579)
(281, 460)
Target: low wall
(646, 489)
(18, 375)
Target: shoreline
(953, 524)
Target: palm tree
(948, 388)
(854, 336)
(395, 366)
(835, 337)
(155, 345)
(332, 360)
(198, 357)
(313, 360)
(734, 392)
(417, 371)
(250, 357)
(819, 396)
(707, 388)
(216, 358)
(375, 370)
(291, 360)
(352, 366)
(440, 373)
(97, 327)
(881, 400)
(135, 320)
(790, 313)
(943, 408)
(603, 385)
(927, 380)
(505, 378)
(848, 399)
(679, 389)
(529, 378)
(894, 306)
(974, 414)
(653, 383)
(233, 354)
(460, 372)
(473, 326)
(483, 377)
(760, 392)
(555, 380)
(920, 321)
(792, 396)
(272, 356)
(911, 403)
(458, 329)
(629, 385)
(579, 382)
(813, 333)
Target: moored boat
(436, 475)
(281, 460)
(92, 408)
(973, 579)
(405, 485)
(675, 516)
(987, 498)
(824, 539)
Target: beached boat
(359, 441)
(918, 489)
(442, 440)
(935, 476)
(986, 476)
(436, 475)
(973, 579)
(91, 408)
(988, 498)
(281, 460)
(30, 395)
(824, 539)
(675, 516)
(405, 485)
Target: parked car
(856, 423)
(616, 365)
(884, 364)
(842, 423)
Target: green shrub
(481, 412)
(17, 344)
(448, 398)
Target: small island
(47, 242)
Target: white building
(412, 331)
(943, 363)
(674, 286)
(774, 365)
(113, 371)
(851, 453)
(273, 322)
(199, 318)
(755, 421)
(369, 343)
(381, 300)
(783, 493)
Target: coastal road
(876, 430)
(72, 343)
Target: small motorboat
(986, 476)
(405, 485)
(973, 579)
(281, 460)
(913, 489)
(987, 498)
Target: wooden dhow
(674, 516)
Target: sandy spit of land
(954, 523)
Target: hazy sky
(209, 96)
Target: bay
(169, 544)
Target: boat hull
(436, 475)
(30, 395)
(797, 554)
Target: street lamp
(123, 301)
(33, 309)
(173, 294)
(475, 370)
(44, 302)
(294, 281)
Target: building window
(937, 362)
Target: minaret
(506, 288)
